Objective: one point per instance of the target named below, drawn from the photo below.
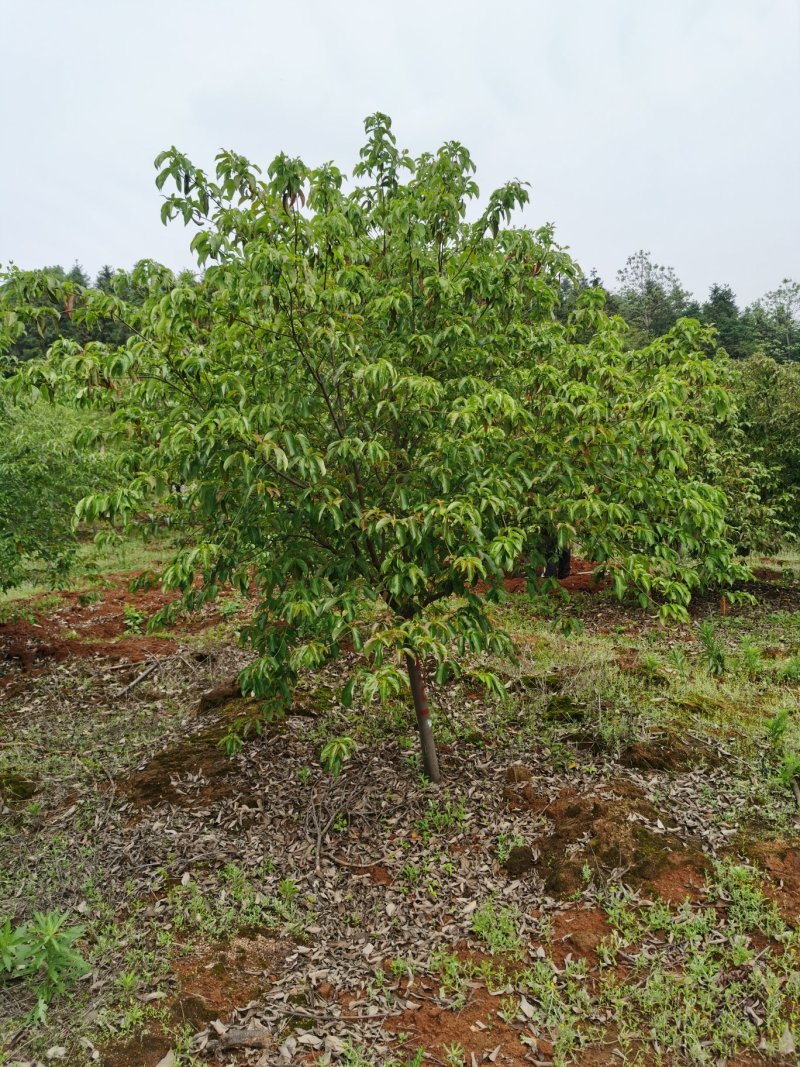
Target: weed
(402, 968)
(439, 818)
(353, 1056)
(777, 727)
(453, 986)
(238, 904)
(789, 671)
(228, 608)
(790, 768)
(334, 754)
(134, 619)
(505, 844)
(509, 1006)
(713, 651)
(498, 928)
(678, 660)
(42, 949)
(454, 1053)
(748, 909)
(751, 658)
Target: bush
(768, 396)
(43, 475)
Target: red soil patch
(199, 754)
(96, 627)
(146, 1050)
(577, 933)
(781, 861)
(211, 982)
(433, 1027)
(683, 875)
(667, 753)
(766, 574)
(214, 980)
(582, 580)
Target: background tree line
(649, 297)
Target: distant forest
(649, 297)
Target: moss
(563, 708)
(322, 699)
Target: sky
(672, 127)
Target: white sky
(668, 125)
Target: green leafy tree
(651, 298)
(43, 476)
(768, 395)
(34, 312)
(774, 322)
(372, 407)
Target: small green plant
(288, 890)
(751, 658)
(402, 968)
(509, 1006)
(777, 727)
(505, 844)
(228, 608)
(134, 619)
(411, 873)
(335, 753)
(677, 659)
(454, 1053)
(789, 671)
(651, 666)
(453, 986)
(498, 928)
(748, 909)
(42, 949)
(439, 818)
(712, 650)
(235, 905)
(790, 768)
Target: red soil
(87, 625)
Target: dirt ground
(250, 909)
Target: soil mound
(613, 834)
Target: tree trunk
(430, 758)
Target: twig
(796, 791)
(365, 866)
(302, 1013)
(141, 677)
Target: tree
(36, 308)
(372, 407)
(43, 475)
(768, 395)
(651, 298)
(722, 312)
(775, 322)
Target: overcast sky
(668, 125)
